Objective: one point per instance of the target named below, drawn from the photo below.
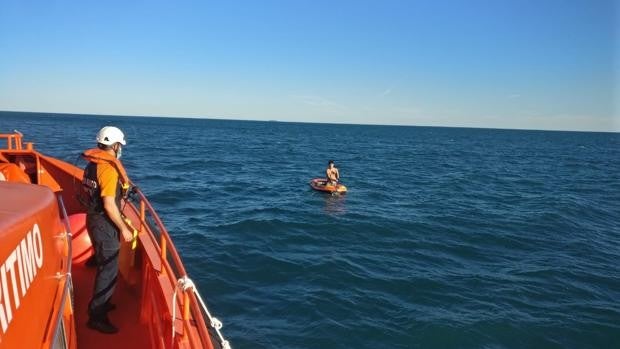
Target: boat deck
(131, 334)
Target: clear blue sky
(511, 64)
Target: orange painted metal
(13, 140)
(144, 304)
(34, 265)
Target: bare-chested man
(332, 173)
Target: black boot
(109, 306)
(102, 325)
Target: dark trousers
(104, 237)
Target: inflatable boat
(321, 184)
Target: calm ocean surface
(448, 237)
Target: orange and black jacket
(103, 176)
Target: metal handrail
(13, 140)
(69, 281)
(167, 249)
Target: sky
(546, 64)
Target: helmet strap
(118, 150)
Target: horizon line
(304, 122)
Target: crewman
(105, 183)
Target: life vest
(13, 173)
(92, 198)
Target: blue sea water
(447, 238)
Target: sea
(446, 238)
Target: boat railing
(14, 141)
(192, 308)
(67, 289)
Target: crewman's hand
(127, 234)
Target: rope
(184, 284)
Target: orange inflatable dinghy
(321, 184)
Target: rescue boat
(45, 285)
(321, 184)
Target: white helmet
(110, 135)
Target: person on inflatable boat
(332, 173)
